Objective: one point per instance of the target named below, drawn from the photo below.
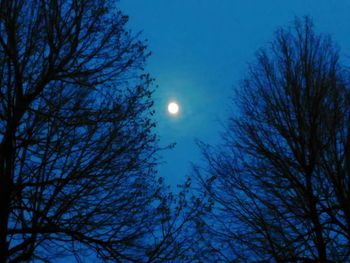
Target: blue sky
(201, 49)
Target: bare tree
(281, 179)
(178, 239)
(77, 151)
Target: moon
(173, 108)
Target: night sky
(201, 50)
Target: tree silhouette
(281, 178)
(76, 142)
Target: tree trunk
(6, 170)
(320, 244)
(5, 185)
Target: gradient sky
(200, 52)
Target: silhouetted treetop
(280, 179)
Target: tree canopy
(77, 149)
(280, 179)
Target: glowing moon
(173, 108)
